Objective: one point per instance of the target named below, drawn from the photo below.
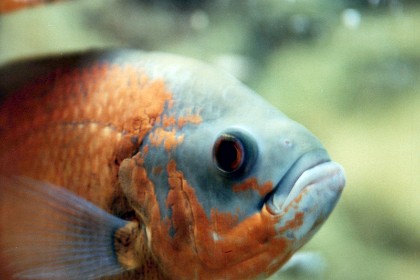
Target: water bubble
(351, 18)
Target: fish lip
(276, 200)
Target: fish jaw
(287, 188)
(308, 192)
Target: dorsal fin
(19, 73)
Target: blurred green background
(349, 70)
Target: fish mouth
(312, 168)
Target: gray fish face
(277, 149)
(254, 181)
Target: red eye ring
(228, 153)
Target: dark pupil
(229, 155)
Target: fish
(124, 164)
(9, 6)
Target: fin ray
(48, 232)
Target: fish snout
(313, 173)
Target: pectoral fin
(47, 232)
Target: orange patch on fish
(294, 223)
(252, 184)
(75, 129)
(223, 222)
(168, 139)
(168, 121)
(189, 119)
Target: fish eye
(234, 153)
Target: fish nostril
(287, 143)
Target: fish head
(226, 185)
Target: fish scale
(68, 112)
